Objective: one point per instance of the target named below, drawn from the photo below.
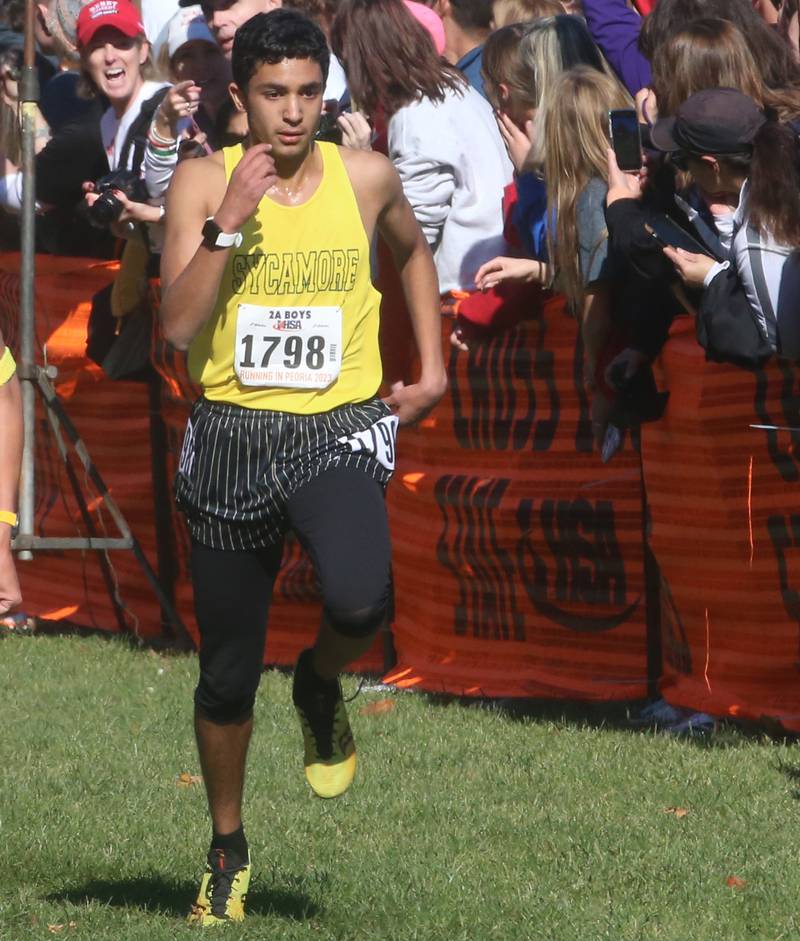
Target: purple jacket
(615, 29)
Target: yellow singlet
(276, 322)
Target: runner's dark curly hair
(273, 37)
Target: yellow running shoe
(330, 753)
(223, 891)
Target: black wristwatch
(214, 237)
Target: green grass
(464, 823)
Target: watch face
(211, 231)
(214, 235)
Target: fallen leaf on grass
(376, 708)
(187, 780)
(57, 929)
(678, 812)
(735, 882)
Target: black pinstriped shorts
(239, 466)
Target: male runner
(267, 283)
(10, 463)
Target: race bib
(288, 347)
(378, 440)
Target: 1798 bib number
(288, 347)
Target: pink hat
(430, 20)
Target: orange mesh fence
(517, 552)
(112, 418)
(725, 528)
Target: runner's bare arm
(191, 272)
(412, 257)
(10, 463)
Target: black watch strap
(214, 237)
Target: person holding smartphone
(730, 146)
(746, 171)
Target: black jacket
(726, 327)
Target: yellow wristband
(7, 366)
(7, 517)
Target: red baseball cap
(121, 14)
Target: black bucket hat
(715, 121)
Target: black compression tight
(340, 519)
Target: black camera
(329, 130)
(108, 208)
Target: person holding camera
(116, 65)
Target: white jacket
(454, 168)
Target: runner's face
(114, 63)
(224, 17)
(284, 104)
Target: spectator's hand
(650, 169)
(500, 269)
(131, 211)
(10, 594)
(458, 340)
(9, 87)
(356, 131)
(622, 185)
(412, 403)
(181, 101)
(464, 334)
(253, 176)
(631, 359)
(692, 269)
(518, 143)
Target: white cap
(187, 25)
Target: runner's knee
(221, 702)
(357, 622)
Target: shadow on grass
(617, 716)
(175, 899)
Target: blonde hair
(506, 12)
(554, 44)
(572, 148)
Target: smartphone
(626, 138)
(668, 234)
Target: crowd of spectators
(495, 114)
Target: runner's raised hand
(253, 176)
